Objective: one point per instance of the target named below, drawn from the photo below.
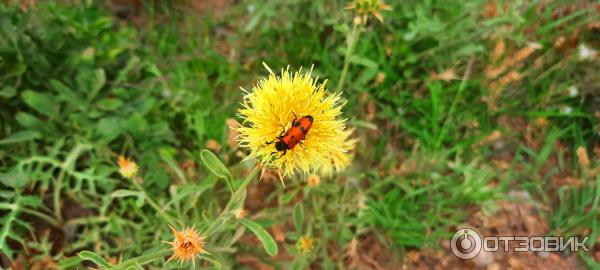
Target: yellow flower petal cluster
(269, 110)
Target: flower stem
(56, 196)
(351, 40)
(461, 88)
(52, 221)
(235, 197)
(153, 204)
(141, 260)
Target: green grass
(79, 86)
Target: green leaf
(14, 179)
(98, 81)
(40, 102)
(69, 262)
(109, 104)
(17, 70)
(366, 76)
(214, 164)
(7, 28)
(31, 122)
(153, 69)
(298, 217)
(21, 136)
(342, 28)
(363, 124)
(253, 21)
(66, 94)
(288, 196)
(94, 257)
(8, 92)
(361, 60)
(109, 128)
(470, 49)
(265, 238)
(31, 201)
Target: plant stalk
(352, 40)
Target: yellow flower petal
(339, 160)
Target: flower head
(304, 244)
(269, 111)
(240, 213)
(314, 181)
(127, 168)
(365, 8)
(186, 245)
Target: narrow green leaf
(253, 21)
(69, 262)
(265, 238)
(288, 196)
(215, 263)
(109, 104)
(298, 217)
(141, 197)
(21, 136)
(124, 193)
(214, 164)
(64, 92)
(94, 257)
(98, 81)
(361, 60)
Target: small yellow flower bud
(304, 244)
(241, 213)
(127, 168)
(314, 181)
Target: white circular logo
(466, 244)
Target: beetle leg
(295, 119)
(282, 132)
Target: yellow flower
(271, 107)
(365, 8)
(186, 245)
(340, 159)
(127, 168)
(304, 244)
